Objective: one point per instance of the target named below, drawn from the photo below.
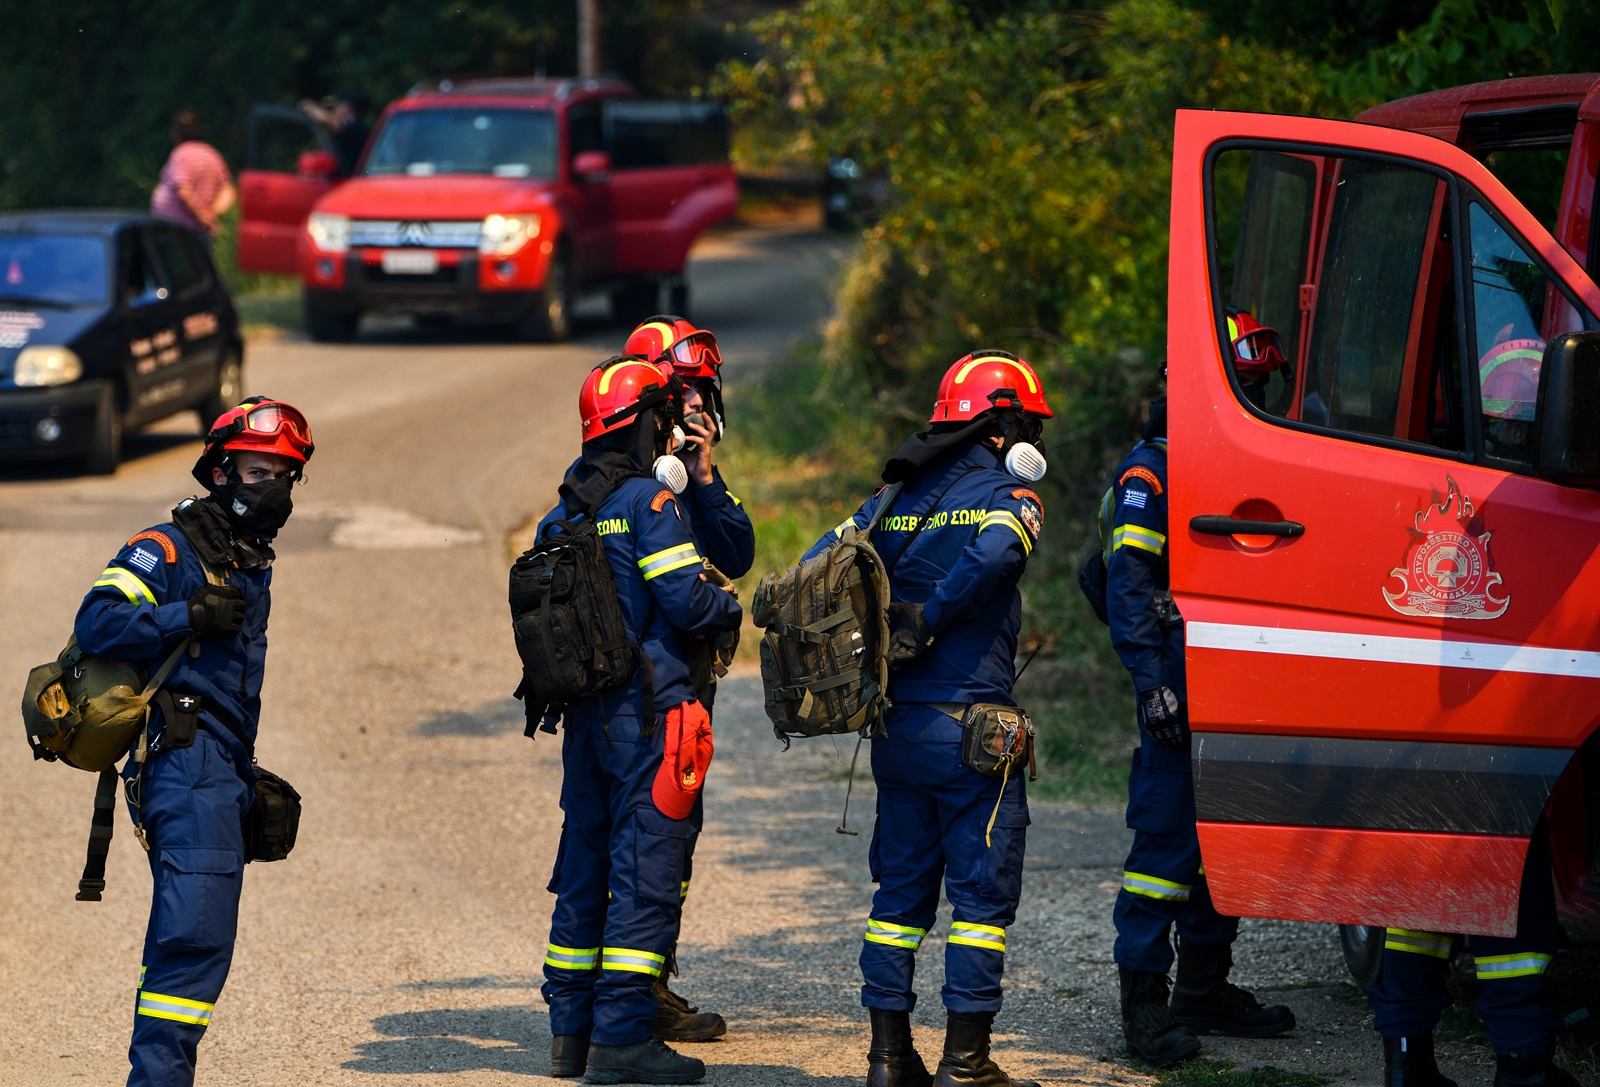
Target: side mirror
(1566, 434)
(591, 166)
(316, 166)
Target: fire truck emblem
(1446, 571)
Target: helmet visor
(278, 419)
(697, 355)
(1262, 346)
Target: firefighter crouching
(1163, 881)
(956, 541)
(193, 788)
(629, 819)
(724, 533)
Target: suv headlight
(329, 233)
(503, 235)
(41, 365)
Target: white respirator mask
(671, 473)
(1025, 462)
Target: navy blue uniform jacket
(963, 568)
(138, 611)
(657, 568)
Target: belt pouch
(995, 738)
(181, 713)
(273, 821)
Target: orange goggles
(696, 355)
(271, 419)
(1262, 346)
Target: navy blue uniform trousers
(618, 880)
(1519, 1013)
(192, 800)
(1163, 882)
(932, 815)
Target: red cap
(684, 761)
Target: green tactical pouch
(996, 738)
(86, 711)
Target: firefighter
(195, 784)
(956, 541)
(722, 528)
(625, 839)
(1163, 881)
(1520, 1015)
(1257, 355)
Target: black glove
(216, 609)
(1163, 716)
(909, 633)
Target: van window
(458, 140)
(186, 270)
(1516, 310)
(142, 284)
(1347, 262)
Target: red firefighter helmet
(1257, 348)
(988, 379)
(260, 425)
(617, 390)
(692, 351)
(1508, 375)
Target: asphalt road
(404, 937)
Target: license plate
(410, 262)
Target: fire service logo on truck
(1446, 571)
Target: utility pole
(588, 38)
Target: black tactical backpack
(824, 653)
(567, 621)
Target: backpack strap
(102, 825)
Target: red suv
(491, 198)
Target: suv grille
(431, 234)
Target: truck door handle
(1213, 524)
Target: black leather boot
(569, 1055)
(1152, 1034)
(679, 1021)
(966, 1055)
(1204, 1000)
(1408, 1062)
(1531, 1070)
(892, 1059)
(650, 1061)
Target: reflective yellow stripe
(612, 371)
(176, 1008)
(883, 932)
(673, 558)
(1417, 943)
(848, 522)
(1008, 519)
(572, 958)
(634, 962)
(735, 498)
(988, 937)
(683, 889)
(1134, 536)
(1499, 967)
(131, 586)
(1137, 883)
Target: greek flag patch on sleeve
(144, 560)
(1134, 499)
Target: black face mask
(257, 509)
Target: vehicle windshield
(500, 142)
(53, 269)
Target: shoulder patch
(169, 550)
(1027, 496)
(1032, 513)
(659, 502)
(1139, 471)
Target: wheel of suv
(1363, 953)
(105, 446)
(330, 326)
(228, 392)
(550, 319)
